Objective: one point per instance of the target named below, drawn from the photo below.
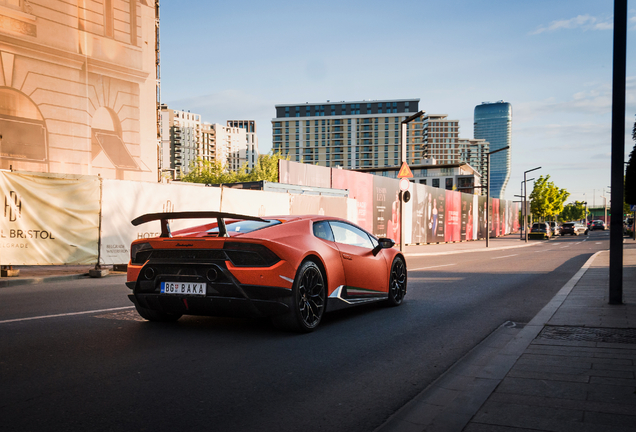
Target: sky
(552, 60)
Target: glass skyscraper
(493, 123)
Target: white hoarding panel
(49, 219)
(124, 200)
(254, 202)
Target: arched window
(23, 134)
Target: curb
(38, 280)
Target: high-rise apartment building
(186, 139)
(366, 134)
(250, 153)
(493, 122)
(473, 152)
(439, 138)
(230, 145)
(181, 140)
(348, 134)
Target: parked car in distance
(289, 268)
(597, 225)
(540, 230)
(555, 227)
(573, 228)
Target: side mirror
(383, 243)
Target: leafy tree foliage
(215, 172)
(573, 212)
(546, 199)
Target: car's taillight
(250, 254)
(139, 253)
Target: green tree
(539, 204)
(215, 172)
(573, 211)
(547, 199)
(266, 168)
(209, 172)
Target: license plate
(187, 288)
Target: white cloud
(583, 22)
(591, 101)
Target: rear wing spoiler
(219, 216)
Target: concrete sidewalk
(572, 368)
(30, 275)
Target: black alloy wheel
(397, 282)
(309, 296)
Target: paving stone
(612, 373)
(611, 394)
(567, 350)
(563, 343)
(552, 389)
(552, 359)
(609, 366)
(610, 419)
(554, 369)
(582, 405)
(527, 416)
(613, 381)
(479, 427)
(550, 376)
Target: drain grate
(589, 334)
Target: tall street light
(403, 158)
(525, 202)
(488, 192)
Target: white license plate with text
(188, 288)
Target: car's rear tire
(157, 316)
(397, 282)
(308, 300)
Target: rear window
(569, 224)
(245, 226)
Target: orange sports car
(290, 268)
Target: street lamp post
(525, 202)
(403, 159)
(488, 192)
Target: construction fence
(56, 219)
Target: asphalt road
(75, 356)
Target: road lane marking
(507, 256)
(565, 246)
(65, 314)
(426, 268)
(595, 243)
